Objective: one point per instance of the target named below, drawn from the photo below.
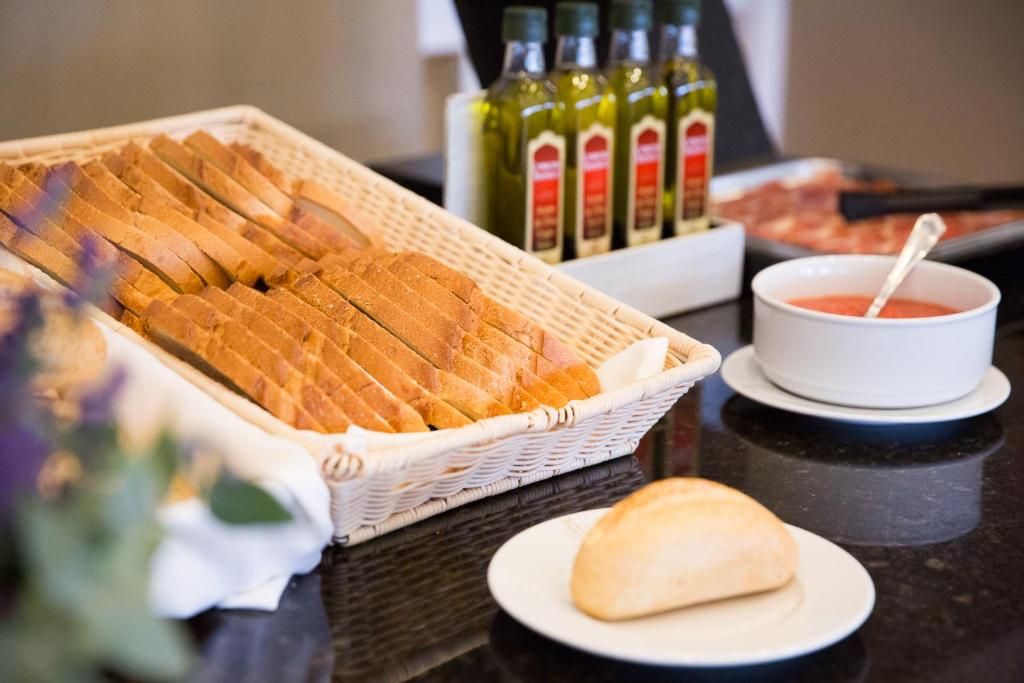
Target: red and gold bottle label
(545, 172)
(696, 152)
(593, 227)
(646, 173)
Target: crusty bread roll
(679, 542)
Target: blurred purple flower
(22, 453)
(95, 406)
(22, 449)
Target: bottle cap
(576, 19)
(678, 12)
(630, 15)
(524, 24)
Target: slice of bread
(341, 342)
(116, 288)
(273, 258)
(74, 178)
(265, 359)
(48, 259)
(397, 411)
(205, 210)
(514, 324)
(128, 282)
(442, 297)
(317, 199)
(550, 384)
(440, 320)
(62, 206)
(180, 335)
(225, 190)
(238, 169)
(369, 341)
(307, 360)
(445, 353)
(139, 181)
(134, 322)
(229, 260)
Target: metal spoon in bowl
(926, 233)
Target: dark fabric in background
(741, 137)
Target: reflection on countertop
(933, 511)
(868, 485)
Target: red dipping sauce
(845, 304)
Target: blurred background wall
(928, 85)
(931, 85)
(345, 71)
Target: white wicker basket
(384, 489)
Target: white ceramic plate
(743, 374)
(829, 598)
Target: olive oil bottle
(589, 109)
(639, 126)
(692, 103)
(524, 143)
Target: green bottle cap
(576, 19)
(678, 12)
(524, 24)
(630, 15)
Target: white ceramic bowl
(873, 363)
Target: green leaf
(163, 460)
(133, 495)
(125, 635)
(55, 554)
(238, 502)
(115, 616)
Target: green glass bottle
(692, 104)
(524, 143)
(589, 107)
(639, 126)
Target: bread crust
(470, 320)
(679, 542)
(368, 384)
(139, 181)
(55, 264)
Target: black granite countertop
(933, 512)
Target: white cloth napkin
(637, 361)
(203, 562)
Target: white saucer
(742, 373)
(829, 598)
